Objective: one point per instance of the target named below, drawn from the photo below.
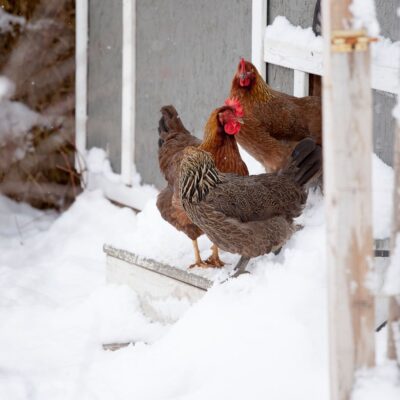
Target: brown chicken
(249, 215)
(219, 140)
(274, 122)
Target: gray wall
(104, 78)
(186, 54)
(300, 12)
(187, 51)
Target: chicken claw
(199, 264)
(214, 260)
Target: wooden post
(258, 25)
(394, 307)
(347, 124)
(81, 55)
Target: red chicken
(274, 122)
(219, 140)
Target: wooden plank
(258, 24)
(154, 282)
(128, 89)
(301, 83)
(394, 306)
(278, 52)
(347, 125)
(149, 264)
(81, 54)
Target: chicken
(249, 215)
(220, 130)
(274, 122)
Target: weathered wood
(394, 306)
(286, 54)
(301, 84)
(154, 282)
(347, 114)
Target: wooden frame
(304, 59)
(128, 89)
(347, 127)
(81, 61)
(258, 24)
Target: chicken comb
(235, 104)
(242, 65)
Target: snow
(385, 53)
(7, 21)
(16, 119)
(364, 16)
(100, 176)
(246, 338)
(392, 279)
(282, 29)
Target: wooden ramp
(153, 281)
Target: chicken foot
(198, 261)
(214, 260)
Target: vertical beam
(347, 125)
(128, 89)
(258, 25)
(394, 306)
(81, 62)
(300, 83)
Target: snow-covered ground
(261, 336)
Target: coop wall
(186, 53)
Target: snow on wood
(153, 281)
(347, 123)
(299, 49)
(100, 176)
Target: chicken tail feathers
(305, 162)
(169, 122)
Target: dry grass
(39, 57)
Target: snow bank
(100, 176)
(378, 383)
(261, 334)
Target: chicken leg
(198, 261)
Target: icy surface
(246, 338)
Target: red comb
(235, 104)
(242, 65)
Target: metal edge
(159, 268)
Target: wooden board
(154, 282)
(289, 55)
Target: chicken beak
(240, 120)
